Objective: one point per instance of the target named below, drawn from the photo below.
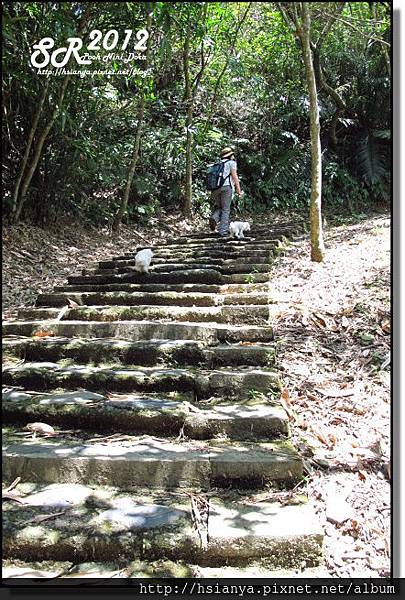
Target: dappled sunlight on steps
(160, 388)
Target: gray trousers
(222, 201)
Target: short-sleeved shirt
(229, 164)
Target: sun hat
(227, 152)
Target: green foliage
(371, 160)
(341, 190)
(255, 82)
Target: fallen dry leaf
(43, 333)
(386, 325)
(362, 475)
(333, 439)
(286, 403)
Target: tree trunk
(28, 149)
(138, 132)
(38, 150)
(19, 202)
(188, 192)
(135, 156)
(317, 245)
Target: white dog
(236, 228)
(142, 260)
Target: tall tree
(145, 87)
(298, 18)
(27, 170)
(195, 31)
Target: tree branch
(222, 73)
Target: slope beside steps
(171, 455)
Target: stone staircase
(171, 454)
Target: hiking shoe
(212, 224)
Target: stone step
(185, 253)
(171, 267)
(214, 244)
(249, 314)
(257, 571)
(164, 268)
(142, 330)
(145, 298)
(147, 461)
(207, 276)
(147, 353)
(204, 383)
(253, 277)
(207, 238)
(255, 231)
(186, 288)
(165, 415)
(72, 574)
(152, 530)
(225, 259)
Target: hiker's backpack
(215, 176)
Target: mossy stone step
(147, 461)
(148, 353)
(179, 258)
(154, 414)
(223, 259)
(142, 330)
(205, 276)
(213, 244)
(145, 298)
(223, 383)
(185, 253)
(164, 268)
(72, 574)
(96, 524)
(105, 524)
(142, 288)
(256, 230)
(187, 288)
(171, 267)
(249, 314)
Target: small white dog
(236, 228)
(142, 260)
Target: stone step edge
(147, 353)
(147, 461)
(168, 268)
(205, 276)
(136, 413)
(203, 383)
(221, 314)
(235, 533)
(123, 298)
(211, 289)
(37, 573)
(143, 330)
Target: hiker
(222, 189)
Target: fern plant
(371, 160)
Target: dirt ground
(36, 259)
(332, 322)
